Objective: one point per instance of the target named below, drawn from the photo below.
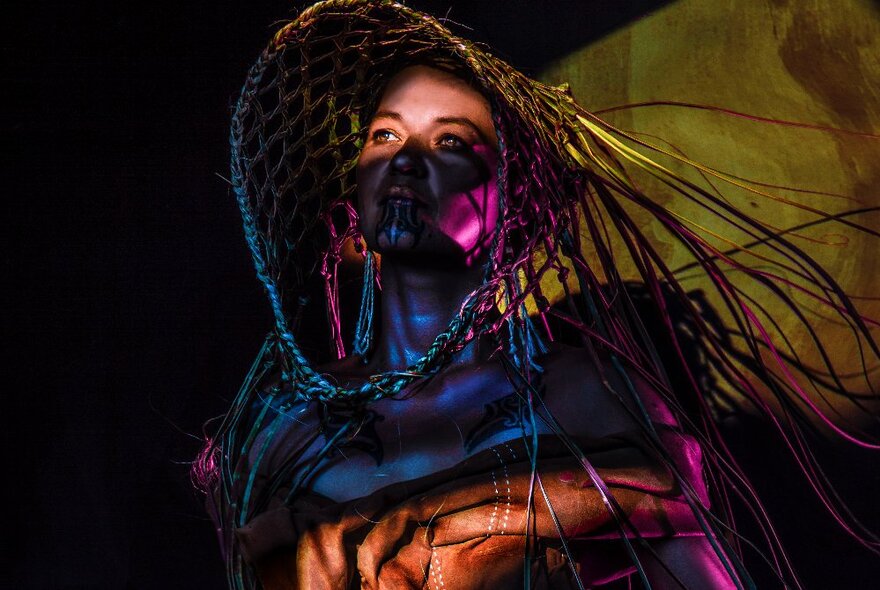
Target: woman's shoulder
(581, 385)
(285, 425)
(600, 398)
(277, 424)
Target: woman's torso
(453, 452)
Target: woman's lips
(401, 194)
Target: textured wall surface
(808, 61)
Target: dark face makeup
(426, 175)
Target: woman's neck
(418, 302)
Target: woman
(482, 457)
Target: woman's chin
(433, 251)
(397, 242)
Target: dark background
(131, 310)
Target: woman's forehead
(422, 92)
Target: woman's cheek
(461, 222)
(470, 217)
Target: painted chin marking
(399, 226)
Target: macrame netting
(569, 184)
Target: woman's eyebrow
(387, 114)
(463, 121)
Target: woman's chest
(432, 429)
(458, 414)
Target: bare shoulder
(283, 425)
(592, 397)
(295, 427)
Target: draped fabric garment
(465, 527)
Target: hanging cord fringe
(363, 336)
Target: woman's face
(427, 173)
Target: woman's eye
(383, 135)
(451, 141)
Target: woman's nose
(409, 161)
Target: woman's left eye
(383, 136)
(451, 141)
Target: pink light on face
(469, 219)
